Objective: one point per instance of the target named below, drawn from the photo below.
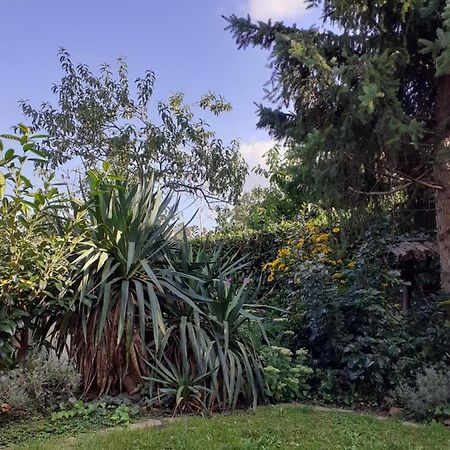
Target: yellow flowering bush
(313, 240)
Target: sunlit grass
(278, 427)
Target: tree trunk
(24, 343)
(442, 174)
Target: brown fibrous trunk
(107, 367)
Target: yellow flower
(276, 263)
(300, 243)
(322, 237)
(336, 230)
(351, 264)
(284, 252)
(337, 276)
(322, 248)
(311, 227)
(270, 278)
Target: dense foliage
(362, 108)
(256, 210)
(339, 300)
(126, 299)
(37, 238)
(287, 300)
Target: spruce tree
(363, 105)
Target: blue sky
(184, 42)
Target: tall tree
(440, 50)
(96, 119)
(363, 105)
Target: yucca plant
(195, 268)
(212, 349)
(181, 369)
(240, 371)
(118, 287)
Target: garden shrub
(351, 331)
(39, 384)
(428, 397)
(286, 374)
(37, 238)
(257, 246)
(342, 306)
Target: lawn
(278, 427)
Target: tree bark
(442, 174)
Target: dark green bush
(355, 331)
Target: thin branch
(392, 191)
(403, 177)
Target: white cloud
(253, 153)
(276, 9)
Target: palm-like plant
(240, 370)
(211, 350)
(116, 307)
(181, 369)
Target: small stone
(395, 412)
(446, 422)
(146, 424)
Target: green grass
(277, 427)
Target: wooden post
(406, 296)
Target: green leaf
(156, 314)
(9, 155)
(130, 255)
(2, 186)
(124, 296)
(106, 302)
(141, 308)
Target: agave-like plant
(212, 349)
(116, 306)
(146, 306)
(181, 372)
(240, 375)
(194, 268)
